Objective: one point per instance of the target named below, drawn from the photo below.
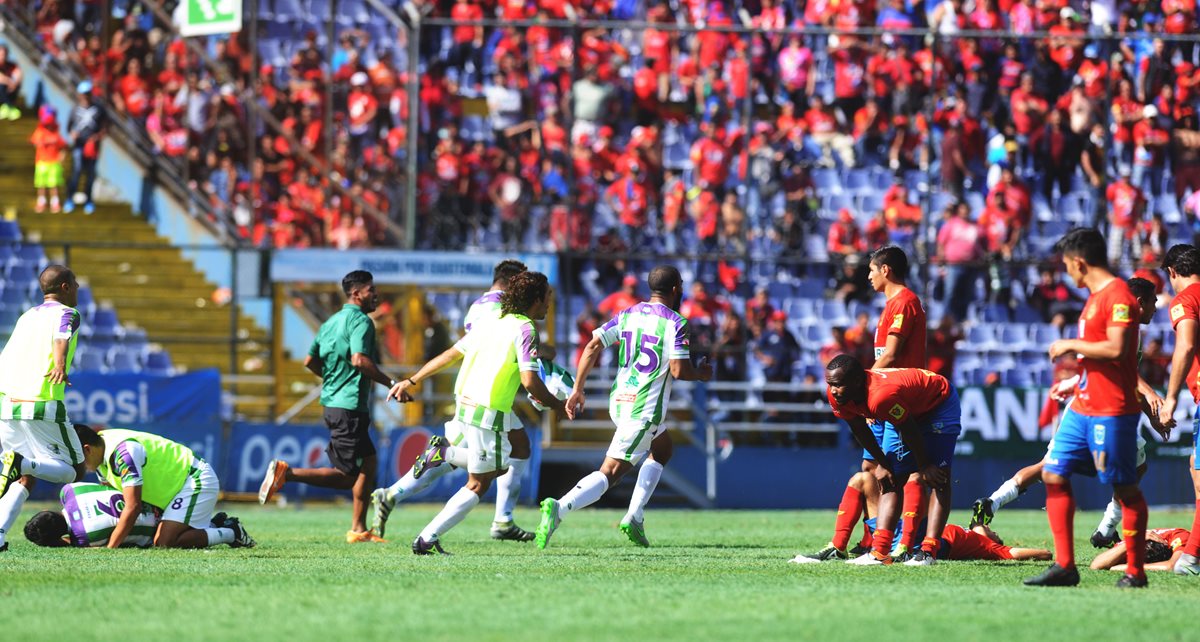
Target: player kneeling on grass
(1164, 547)
(165, 475)
(89, 515)
(654, 348)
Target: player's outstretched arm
(129, 516)
(399, 390)
(1030, 554)
(588, 361)
(683, 370)
(1181, 360)
(1110, 558)
(1112, 348)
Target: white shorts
(488, 449)
(196, 500)
(632, 440)
(42, 439)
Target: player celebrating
(1098, 434)
(35, 432)
(1182, 263)
(508, 486)
(1105, 535)
(925, 419)
(155, 471)
(498, 357)
(654, 349)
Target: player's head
(528, 293)
(1182, 263)
(359, 287)
(888, 264)
(666, 284)
(505, 270)
(1157, 551)
(1147, 296)
(846, 378)
(982, 529)
(1082, 249)
(93, 446)
(47, 528)
(58, 281)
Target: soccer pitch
(710, 575)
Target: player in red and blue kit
(1098, 434)
(982, 543)
(924, 419)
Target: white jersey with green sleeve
(495, 353)
(651, 335)
(92, 512)
(486, 307)
(29, 353)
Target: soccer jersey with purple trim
(650, 336)
(92, 512)
(485, 308)
(29, 353)
(160, 466)
(494, 356)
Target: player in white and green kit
(35, 434)
(499, 357)
(653, 350)
(155, 471)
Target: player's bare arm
(1030, 554)
(1112, 348)
(367, 367)
(892, 348)
(683, 370)
(866, 439)
(399, 391)
(587, 362)
(537, 389)
(129, 515)
(1181, 360)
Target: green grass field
(710, 575)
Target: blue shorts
(1104, 447)
(1196, 440)
(921, 528)
(877, 429)
(940, 429)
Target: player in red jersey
(1182, 263)
(924, 420)
(1164, 548)
(1098, 434)
(982, 543)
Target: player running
(1164, 548)
(1105, 534)
(924, 423)
(499, 356)
(653, 350)
(35, 433)
(168, 476)
(1182, 263)
(90, 513)
(1098, 433)
(508, 486)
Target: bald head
(58, 282)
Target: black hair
(87, 436)
(852, 365)
(47, 528)
(1157, 551)
(1086, 243)
(523, 291)
(1141, 288)
(356, 280)
(663, 279)
(505, 270)
(1183, 258)
(54, 277)
(894, 258)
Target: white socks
(1112, 517)
(508, 489)
(10, 508)
(406, 486)
(458, 456)
(456, 509)
(50, 470)
(1004, 495)
(586, 492)
(219, 536)
(647, 480)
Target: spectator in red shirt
(630, 202)
(825, 142)
(941, 346)
(622, 299)
(1001, 225)
(1150, 141)
(758, 309)
(1016, 196)
(1052, 298)
(362, 108)
(845, 238)
(132, 95)
(1028, 114)
(1126, 111)
(1125, 206)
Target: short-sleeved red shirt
(1175, 537)
(903, 316)
(959, 543)
(1186, 305)
(896, 395)
(1109, 388)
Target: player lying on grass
(924, 420)
(90, 513)
(982, 543)
(1105, 534)
(155, 471)
(1164, 547)
(653, 349)
(425, 472)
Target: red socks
(1134, 515)
(847, 516)
(867, 538)
(1193, 544)
(914, 507)
(1060, 510)
(931, 545)
(883, 541)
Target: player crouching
(166, 475)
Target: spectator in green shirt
(344, 354)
